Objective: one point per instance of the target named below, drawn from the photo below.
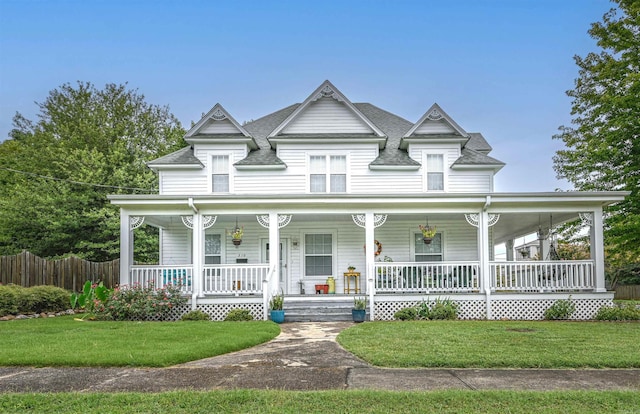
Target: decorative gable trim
(229, 129)
(444, 125)
(326, 90)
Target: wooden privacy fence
(26, 269)
(627, 292)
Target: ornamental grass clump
(561, 309)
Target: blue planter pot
(277, 316)
(358, 315)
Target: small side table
(347, 280)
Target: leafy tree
(56, 172)
(603, 145)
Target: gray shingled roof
(473, 157)
(474, 152)
(183, 156)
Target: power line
(77, 182)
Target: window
(212, 249)
(431, 252)
(328, 171)
(435, 172)
(220, 174)
(318, 255)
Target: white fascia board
(158, 167)
(494, 167)
(272, 167)
(427, 139)
(394, 167)
(381, 141)
(213, 139)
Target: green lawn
(252, 401)
(63, 341)
(495, 344)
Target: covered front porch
(321, 239)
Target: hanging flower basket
(428, 232)
(427, 240)
(236, 242)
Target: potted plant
(428, 232)
(359, 310)
(276, 306)
(351, 268)
(236, 235)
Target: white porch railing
(540, 276)
(160, 276)
(234, 279)
(426, 277)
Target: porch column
(126, 248)
(370, 260)
(597, 249)
(196, 254)
(274, 253)
(509, 249)
(485, 271)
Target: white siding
(175, 245)
(326, 115)
(219, 127)
(435, 127)
(470, 181)
(174, 182)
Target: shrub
(406, 314)
(8, 301)
(442, 309)
(46, 299)
(239, 315)
(561, 309)
(21, 300)
(195, 315)
(627, 312)
(137, 303)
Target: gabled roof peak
(327, 90)
(436, 122)
(217, 114)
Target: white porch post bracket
(597, 249)
(135, 222)
(274, 253)
(360, 220)
(197, 250)
(473, 219)
(283, 220)
(187, 221)
(125, 243)
(369, 221)
(586, 218)
(208, 221)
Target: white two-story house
(336, 184)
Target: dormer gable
(218, 126)
(327, 116)
(434, 126)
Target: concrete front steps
(318, 308)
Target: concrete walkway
(305, 356)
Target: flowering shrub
(138, 303)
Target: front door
(284, 268)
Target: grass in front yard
(495, 344)
(253, 401)
(63, 341)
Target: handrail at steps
(265, 293)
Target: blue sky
(500, 67)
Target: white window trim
(210, 171)
(222, 247)
(327, 155)
(412, 235)
(303, 256)
(445, 172)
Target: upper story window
(431, 252)
(328, 173)
(434, 166)
(220, 174)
